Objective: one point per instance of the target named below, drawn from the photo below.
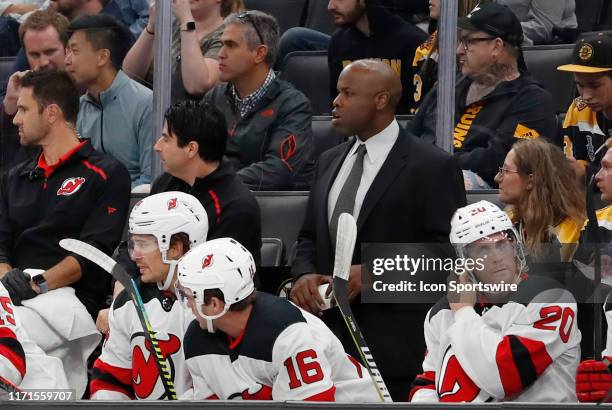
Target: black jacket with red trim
(272, 146)
(86, 197)
(233, 211)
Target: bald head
(376, 77)
(368, 94)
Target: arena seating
(589, 14)
(282, 213)
(542, 62)
(6, 65)
(309, 73)
(318, 18)
(289, 13)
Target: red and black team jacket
(84, 196)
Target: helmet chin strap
(169, 276)
(209, 319)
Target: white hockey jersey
(517, 351)
(126, 368)
(12, 355)
(283, 354)
(23, 362)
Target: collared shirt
(378, 148)
(249, 102)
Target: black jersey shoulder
(147, 292)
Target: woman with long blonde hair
(545, 200)
(195, 68)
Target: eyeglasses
(466, 42)
(246, 17)
(502, 171)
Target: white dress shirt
(378, 147)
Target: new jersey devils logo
(207, 262)
(145, 375)
(172, 204)
(70, 186)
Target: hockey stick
(108, 264)
(9, 387)
(345, 243)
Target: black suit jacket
(411, 200)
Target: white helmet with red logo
(222, 264)
(481, 220)
(165, 214)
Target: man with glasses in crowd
(269, 121)
(497, 103)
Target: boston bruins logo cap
(592, 54)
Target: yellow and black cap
(592, 54)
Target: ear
(176, 250)
(103, 57)
(261, 52)
(499, 46)
(381, 100)
(529, 185)
(193, 149)
(53, 113)
(217, 304)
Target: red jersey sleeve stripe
(107, 377)
(327, 395)
(520, 361)
(96, 169)
(12, 350)
(217, 203)
(424, 380)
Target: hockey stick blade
(9, 387)
(345, 244)
(109, 265)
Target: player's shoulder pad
(200, 342)
(541, 289)
(440, 306)
(147, 291)
(271, 315)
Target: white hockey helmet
(481, 220)
(222, 264)
(165, 214)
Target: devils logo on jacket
(172, 204)
(145, 376)
(70, 186)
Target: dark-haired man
(116, 111)
(67, 191)
(191, 147)
(588, 122)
